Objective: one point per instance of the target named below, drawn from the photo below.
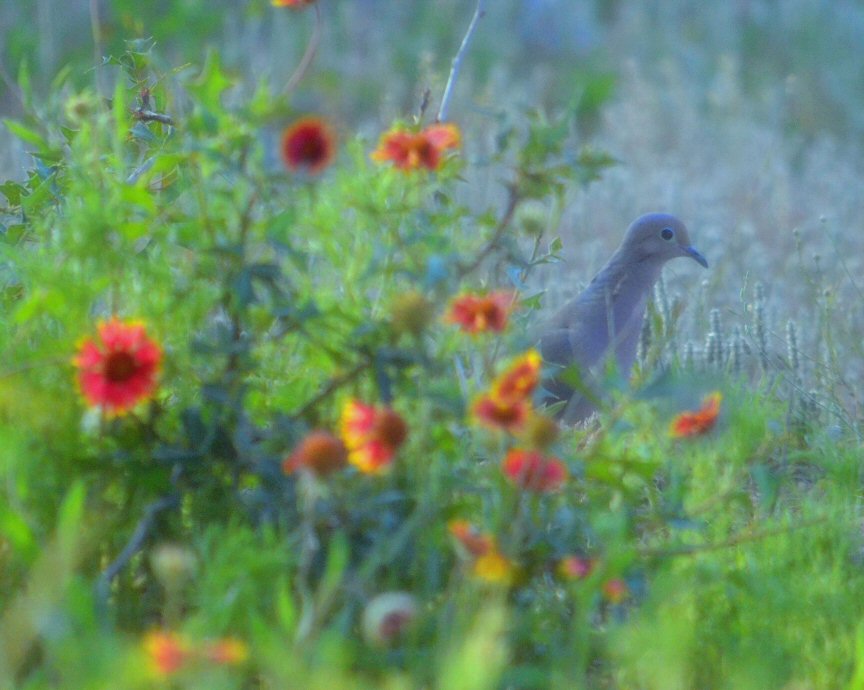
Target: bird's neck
(626, 277)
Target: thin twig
(309, 55)
(512, 202)
(11, 85)
(456, 65)
(152, 116)
(135, 543)
(98, 51)
(331, 387)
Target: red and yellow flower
(615, 591)
(697, 422)
(533, 471)
(576, 567)
(166, 652)
(372, 434)
(308, 145)
(119, 368)
(481, 550)
(320, 452)
(469, 538)
(482, 313)
(413, 150)
(507, 405)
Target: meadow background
(740, 551)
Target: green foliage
(274, 297)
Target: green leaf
(25, 134)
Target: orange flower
(413, 150)
(474, 543)
(118, 369)
(519, 380)
(576, 567)
(615, 590)
(699, 421)
(372, 435)
(320, 452)
(308, 144)
(533, 471)
(227, 651)
(296, 4)
(482, 313)
(166, 651)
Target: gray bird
(607, 316)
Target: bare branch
(456, 65)
(309, 55)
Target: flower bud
(387, 617)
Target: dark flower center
(120, 366)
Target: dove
(606, 318)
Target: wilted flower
(118, 369)
(387, 617)
(575, 567)
(372, 435)
(533, 471)
(320, 452)
(308, 144)
(540, 431)
(228, 651)
(167, 652)
(699, 421)
(482, 313)
(413, 150)
(615, 590)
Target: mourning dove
(607, 316)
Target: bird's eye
(667, 233)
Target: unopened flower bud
(387, 617)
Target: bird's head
(659, 237)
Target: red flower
(493, 414)
(166, 651)
(482, 313)
(699, 421)
(576, 567)
(372, 435)
(533, 471)
(119, 368)
(227, 651)
(320, 452)
(308, 144)
(413, 150)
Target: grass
(730, 559)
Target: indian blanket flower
(320, 452)
(308, 145)
(413, 150)
(493, 414)
(697, 422)
(533, 471)
(494, 567)
(372, 434)
(167, 652)
(469, 538)
(482, 313)
(118, 369)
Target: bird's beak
(695, 254)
